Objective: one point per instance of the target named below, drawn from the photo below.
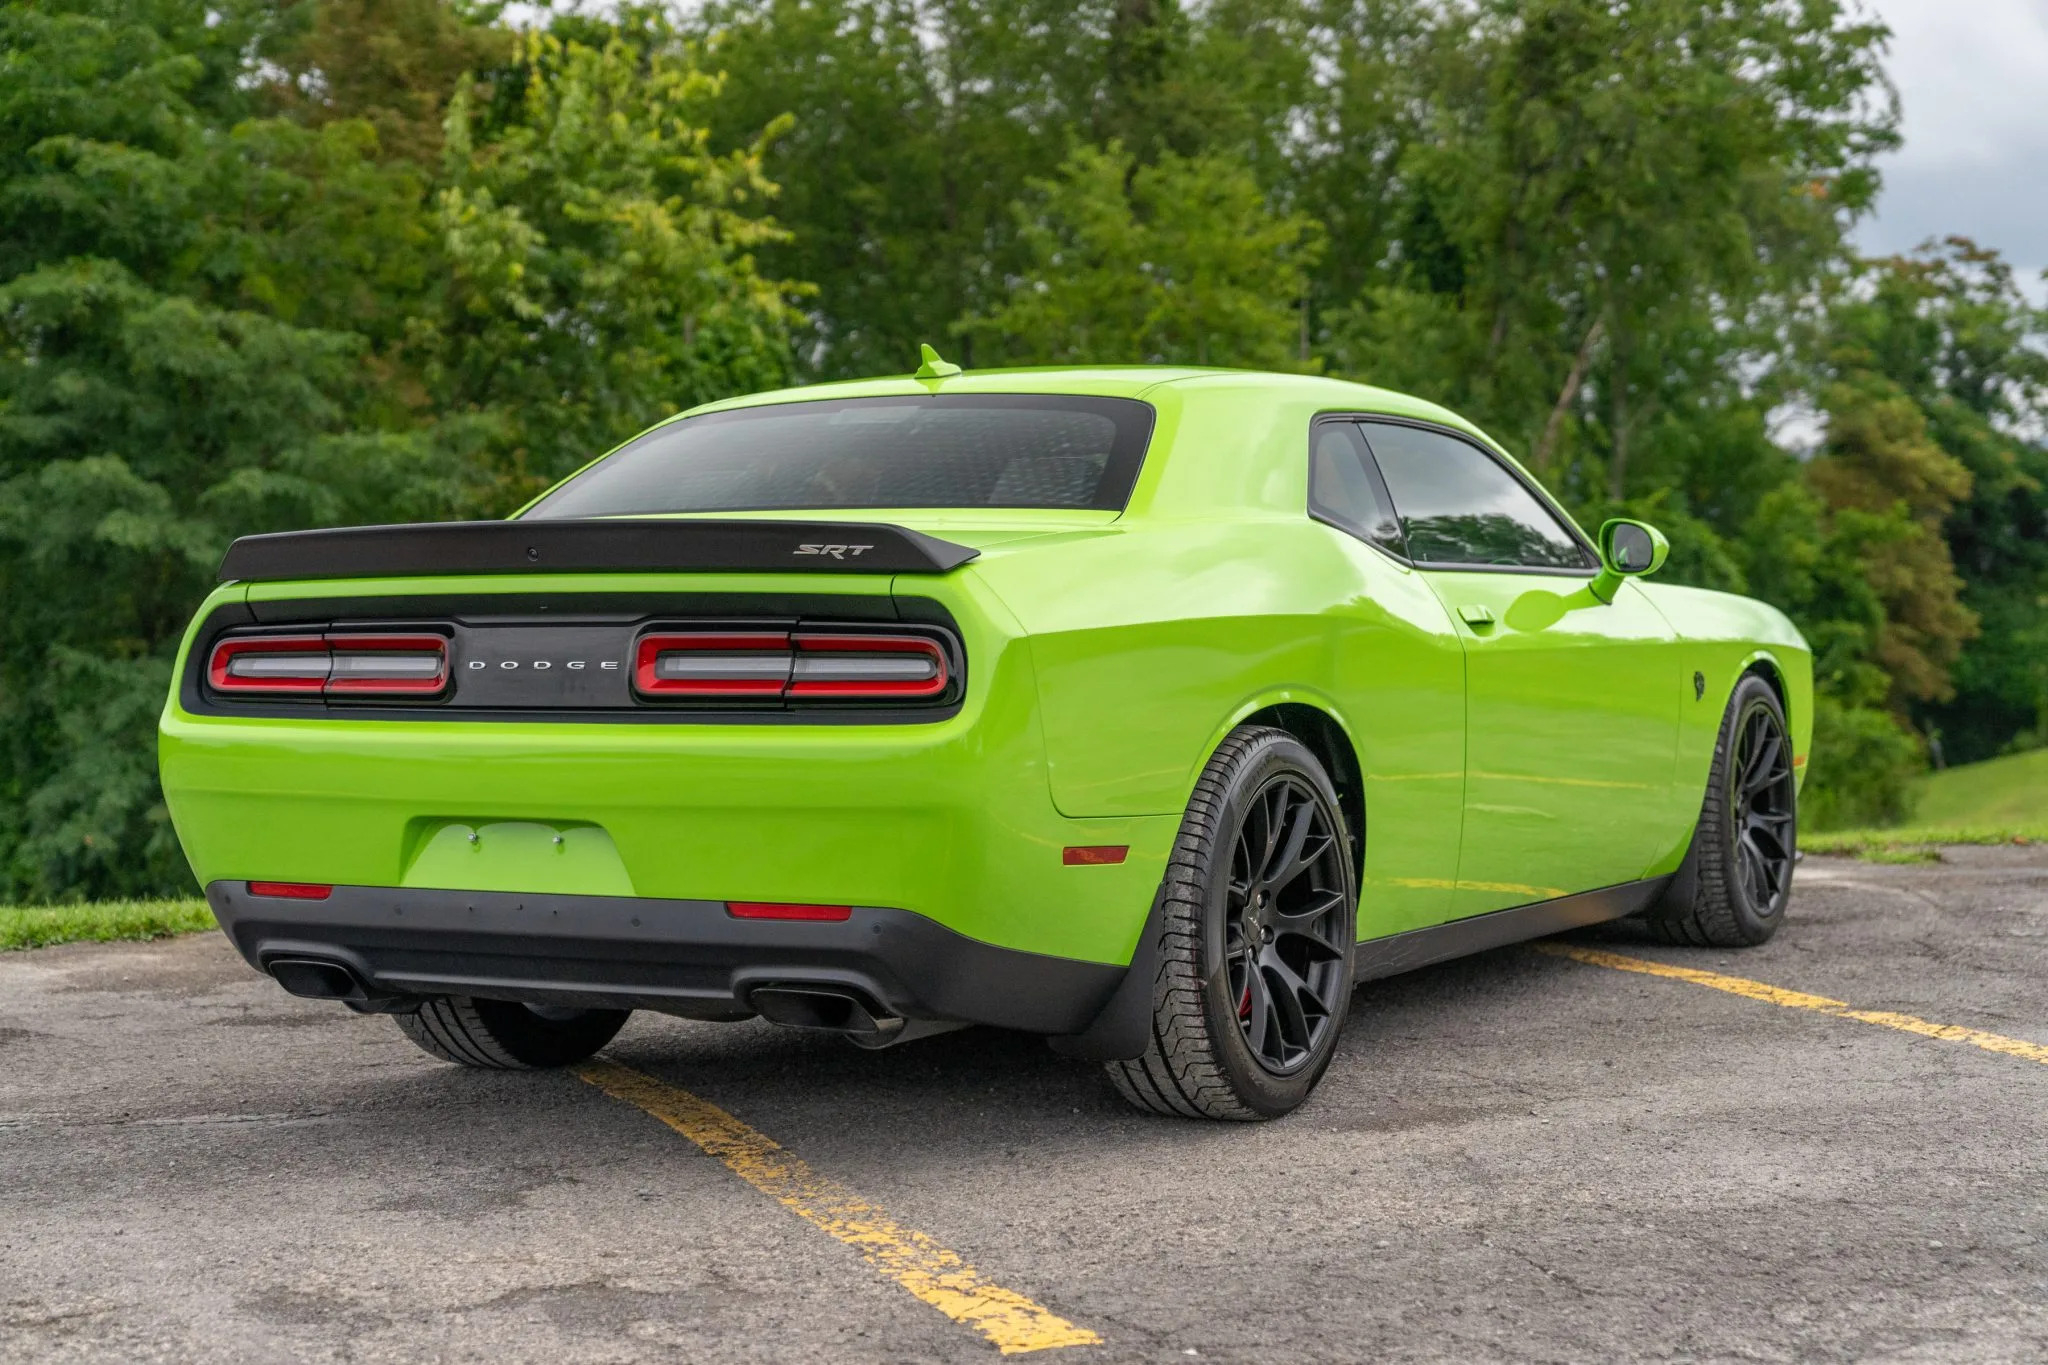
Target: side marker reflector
(291, 891)
(776, 910)
(1094, 855)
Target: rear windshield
(941, 450)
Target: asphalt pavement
(1828, 1148)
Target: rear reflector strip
(1094, 855)
(772, 664)
(710, 665)
(845, 666)
(291, 891)
(775, 910)
(352, 665)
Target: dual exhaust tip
(844, 1010)
(821, 1007)
(316, 979)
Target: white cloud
(1973, 87)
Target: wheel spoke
(1767, 861)
(1257, 1012)
(1756, 875)
(1318, 904)
(1294, 825)
(1288, 1014)
(1272, 827)
(1293, 986)
(1745, 860)
(1763, 767)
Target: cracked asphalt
(1516, 1157)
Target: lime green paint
(1571, 713)
(932, 366)
(1554, 746)
(513, 855)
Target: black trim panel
(685, 957)
(600, 545)
(1397, 953)
(628, 613)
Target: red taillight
(837, 667)
(857, 666)
(270, 663)
(335, 664)
(709, 665)
(777, 910)
(291, 891)
(388, 665)
(1094, 855)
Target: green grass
(1916, 843)
(1998, 801)
(2009, 791)
(39, 926)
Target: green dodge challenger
(1148, 709)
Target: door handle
(1476, 616)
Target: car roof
(1117, 381)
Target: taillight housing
(829, 666)
(335, 663)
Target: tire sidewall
(1258, 1088)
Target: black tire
(502, 1035)
(1736, 880)
(1278, 934)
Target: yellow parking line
(938, 1276)
(1800, 1000)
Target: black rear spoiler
(596, 545)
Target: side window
(1459, 506)
(1344, 489)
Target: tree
(600, 258)
(213, 323)
(920, 125)
(1177, 262)
(144, 413)
(1949, 328)
(393, 64)
(1589, 188)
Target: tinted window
(967, 450)
(1458, 505)
(1343, 488)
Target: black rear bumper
(679, 957)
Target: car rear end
(710, 766)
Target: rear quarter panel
(1215, 597)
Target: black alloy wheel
(1762, 800)
(1282, 926)
(1732, 889)
(1254, 931)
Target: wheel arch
(1323, 734)
(1767, 665)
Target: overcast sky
(1973, 86)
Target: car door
(1399, 676)
(1571, 703)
